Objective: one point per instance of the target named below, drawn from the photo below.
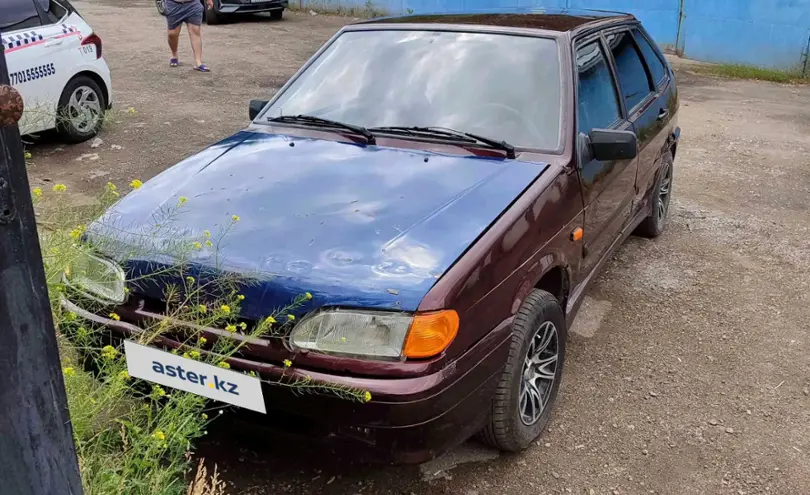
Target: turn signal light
(431, 333)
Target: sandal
(202, 68)
(173, 62)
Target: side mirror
(255, 108)
(607, 145)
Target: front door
(608, 187)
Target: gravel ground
(689, 366)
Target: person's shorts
(190, 12)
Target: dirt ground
(689, 366)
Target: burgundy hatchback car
(446, 187)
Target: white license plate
(258, 1)
(192, 376)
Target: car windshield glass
(504, 87)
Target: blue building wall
(768, 33)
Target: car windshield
(504, 87)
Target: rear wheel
(653, 225)
(530, 379)
(276, 14)
(81, 110)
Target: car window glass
(598, 107)
(18, 14)
(633, 79)
(54, 10)
(504, 87)
(653, 61)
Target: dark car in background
(446, 188)
(225, 10)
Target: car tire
(512, 424)
(661, 196)
(160, 5)
(211, 16)
(81, 94)
(276, 15)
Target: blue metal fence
(767, 33)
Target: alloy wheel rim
(539, 373)
(84, 109)
(664, 194)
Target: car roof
(556, 20)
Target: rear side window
(53, 9)
(18, 14)
(653, 61)
(633, 79)
(598, 107)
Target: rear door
(645, 110)
(608, 187)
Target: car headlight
(376, 334)
(97, 279)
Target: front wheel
(81, 110)
(530, 379)
(276, 14)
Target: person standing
(191, 13)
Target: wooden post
(37, 454)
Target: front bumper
(251, 8)
(409, 420)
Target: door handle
(664, 113)
(55, 42)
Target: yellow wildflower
(308, 296)
(224, 365)
(123, 375)
(243, 325)
(240, 297)
(70, 316)
(231, 328)
(190, 280)
(37, 192)
(287, 363)
(291, 317)
(115, 316)
(208, 243)
(126, 290)
(225, 309)
(28, 155)
(201, 308)
(204, 416)
(115, 193)
(135, 184)
(131, 110)
(159, 435)
(207, 233)
(367, 396)
(194, 354)
(202, 340)
(69, 371)
(111, 187)
(185, 355)
(270, 320)
(109, 352)
(173, 351)
(197, 245)
(76, 233)
(158, 390)
(235, 218)
(182, 200)
(59, 188)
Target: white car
(54, 60)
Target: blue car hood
(356, 226)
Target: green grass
(738, 71)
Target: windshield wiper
(309, 119)
(447, 133)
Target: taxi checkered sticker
(20, 39)
(68, 29)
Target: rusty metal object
(11, 105)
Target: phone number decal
(33, 73)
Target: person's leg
(196, 42)
(174, 39)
